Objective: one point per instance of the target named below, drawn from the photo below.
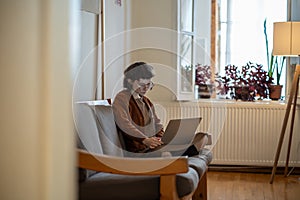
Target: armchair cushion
(107, 186)
(108, 133)
(199, 162)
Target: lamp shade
(286, 38)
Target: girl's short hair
(136, 71)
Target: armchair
(106, 173)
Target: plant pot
(204, 91)
(275, 92)
(243, 93)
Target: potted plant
(275, 71)
(203, 79)
(246, 83)
(275, 66)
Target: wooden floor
(251, 186)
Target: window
(241, 31)
(240, 34)
(193, 42)
(186, 46)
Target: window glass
(186, 22)
(186, 48)
(241, 35)
(193, 42)
(186, 52)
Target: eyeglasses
(146, 85)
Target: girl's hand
(152, 142)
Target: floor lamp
(286, 41)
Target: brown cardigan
(131, 123)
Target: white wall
(85, 76)
(154, 40)
(37, 147)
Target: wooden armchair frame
(132, 166)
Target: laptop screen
(181, 131)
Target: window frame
(186, 75)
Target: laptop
(179, 133)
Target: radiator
(243, 133)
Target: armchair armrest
(132, 166)
(166, 167)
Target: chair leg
(201, 191)
(168, 189)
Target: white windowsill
(226, 103)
